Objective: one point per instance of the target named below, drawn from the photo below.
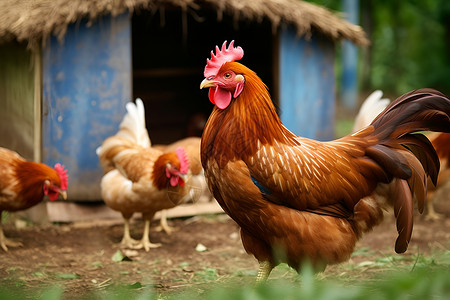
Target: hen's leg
(127, 240)
(145, 241)
(265, 267)
(432, 215)
(4, 242)
(163, 223)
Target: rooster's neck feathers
(250, 119)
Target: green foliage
(397, 277)
(410, 42)
(423, 283)
(207, 274)
(410, 45)
(53, 293)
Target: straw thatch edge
(33, 21)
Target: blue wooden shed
(66, 71)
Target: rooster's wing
(315, 175)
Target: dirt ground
(82, 257)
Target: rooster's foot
(265, 267)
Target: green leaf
(68, 276)
(184, 264)
(118, 257)
(136, 285)
(97, 264)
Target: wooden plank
(20, 104)
(37, 60)
(86, 84)
(307, 85)
(16, 99)
(78, 212)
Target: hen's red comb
(222, 56)
(62, 176)
(184, 163)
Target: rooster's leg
(127, 241)
(163, 223)
(4, 242)
(145, 242)
(265, 267)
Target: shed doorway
(170, 48)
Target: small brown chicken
(441, 142)
(24, 184)
(197, 181)
(139, 178)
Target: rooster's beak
(207, 83)
(63, 194)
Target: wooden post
(307, 85)
(349, 83)
(86, 83)
(37, 60)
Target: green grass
(389, 277)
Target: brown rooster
(139, 178)
(312, 200)
(24, 184)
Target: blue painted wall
(307, 85)
(86, 83)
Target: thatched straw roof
(32, 21)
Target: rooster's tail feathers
(407, 156)
(419, 110)
(133, 124)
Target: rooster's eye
(227, 75)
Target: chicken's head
(171, 168)
(224, 82)
(57, 186)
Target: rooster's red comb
(62, 173)
(184, 162)
(222, 56)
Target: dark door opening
(170, 49)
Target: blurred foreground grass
(392, 277)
